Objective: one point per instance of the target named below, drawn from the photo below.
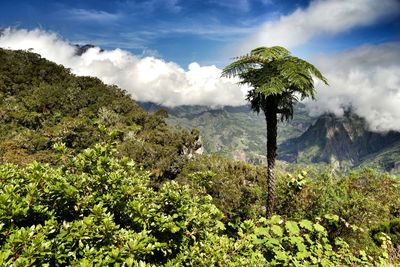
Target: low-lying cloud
(367, 80)
(364, 78)
(145, 79)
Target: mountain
(82, 49)
(42, 104)
(235, 132)
(346, 140)
(239, 133)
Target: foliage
(361, 199)
(305, 243)
(274, 72)
(388, 230)
(42, 103)
(236, 187)
(357, 201)
(98, 210)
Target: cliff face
(331, 139)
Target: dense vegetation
(87, 178)
(42, 103)
(100, 210)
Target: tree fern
(278, 80)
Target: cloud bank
(364, 78)
(146, 79)
(320, 17)
(367, 80)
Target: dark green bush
(236, 187)
(390, 229)
(98, 210)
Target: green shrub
(361, 198)
(304, 243)
(390, 230)
(236, 187)
(97, 209)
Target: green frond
(255, 99)
(310, 67)
(239, 66)
(274, 86)
(271, 53)
(273, 72)
(258, 57)
(286, 105)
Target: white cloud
(91, 15)
(320, 17)
(146, 79)
(365, 79)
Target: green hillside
(42, 104)
(45, 108)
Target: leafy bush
(361, 198)
(304, 243)
(98, 210)
(390, 230)
(236, 187)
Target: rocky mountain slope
(239, 133)
(344, 140)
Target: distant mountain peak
(333, 138)
(82, 49)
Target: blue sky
(178, 30)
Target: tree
(278, 80)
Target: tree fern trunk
(272, 125)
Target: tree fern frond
(271, 53)
(310, 67)
(239, 66)
(274, 86)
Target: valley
(238, 133)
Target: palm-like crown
(273, 71)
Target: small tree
(278, 81)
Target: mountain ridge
(238, 133)
(345, 139)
